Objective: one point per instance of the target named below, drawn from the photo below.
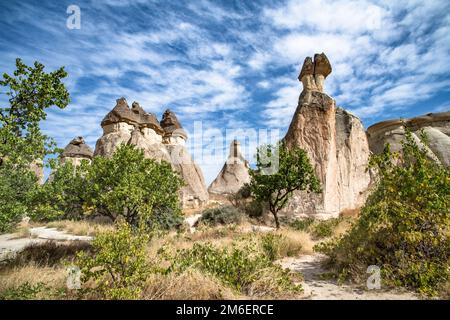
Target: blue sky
(232, 64)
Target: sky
(231, 67)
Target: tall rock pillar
(336, 145)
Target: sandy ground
(321, 289)
(12, 243)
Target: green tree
(403, 226)
(29, 92)
(130, 186)
(16, 186)
(63, 195)
(293, 172)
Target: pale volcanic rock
(151, 143)
(234, 173)
(117, 126)
(194, 193)
(76, 151)
(436, 126)
(335, 142)
(161, 141)
(125, 125)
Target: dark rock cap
(77, 148)
(321, 65)
(171, 125)
(135, 116)
(307, 68)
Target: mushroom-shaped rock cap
(171, 125)
(145, 119)
(322, 64)
(134, 116)
(77, 148)
(307, 68)
(120, 113)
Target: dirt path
(13, 243)
(320, 289)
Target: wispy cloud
(232, 65)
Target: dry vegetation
(45, 264)
(81, 228)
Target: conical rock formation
(234, 173)
(336, 144)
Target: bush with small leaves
(117, 265)
(222, 215)
(403, 227)
(238, 266)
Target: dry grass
(32, 274)
(47, 254)
(189, 285)
(81, 228)
(295, 242)
(266, 287)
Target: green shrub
(324, 228)
(271, 244)
(403, 227)
(222, 215)
(301, 224)
(118, 265)
(25, 291)
(165, 218)
(239, 267)
(17, 186)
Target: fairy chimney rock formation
(194, 193)
(162, 141)
(125, 125)
(436, 126)
(336, 144)
(76, 151)
(234, 173)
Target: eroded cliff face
(163, 141)
(436, 126)
(336, 144)
(234, 173)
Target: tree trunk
(277, 222)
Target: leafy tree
(294, 172)
(403, 226)
(30, 91)
(130, 186)
(16, 186)
(63, 195)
